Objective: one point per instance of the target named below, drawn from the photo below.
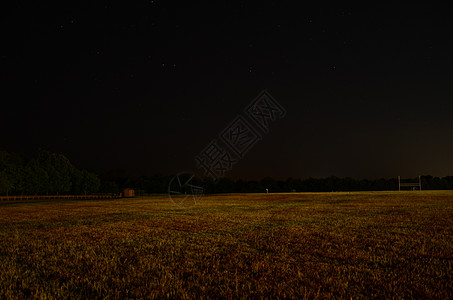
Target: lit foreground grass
(382, 244)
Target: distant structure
(129, 193)
(412, 185)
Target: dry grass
(318, 245)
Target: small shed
(129, 193)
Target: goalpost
(412, 185)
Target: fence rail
(40, 197)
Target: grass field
(309, 245)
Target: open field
(309, 245)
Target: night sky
(147, 85)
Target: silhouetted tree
(49, 173)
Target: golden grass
(308, 245)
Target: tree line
(53, 174)
(48, 173)
(159, 184)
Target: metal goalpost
(412, 185)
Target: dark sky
(147, 85)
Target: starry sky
(146, 85)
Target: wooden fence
(41, 197)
